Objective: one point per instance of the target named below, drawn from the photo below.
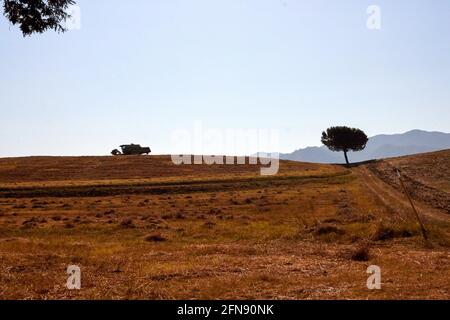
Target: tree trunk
(346, 158)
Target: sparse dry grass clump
(388, 231)
(327, 229)
(69, 225)
(155, 237)
(361, 253)
(127, 223)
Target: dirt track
(396, 200)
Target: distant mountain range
(379, 146)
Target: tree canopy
(37, 16)
(344, 139)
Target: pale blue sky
(138, 70)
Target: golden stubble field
(143, 228)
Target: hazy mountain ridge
(379, 146)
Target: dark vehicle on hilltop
(131, 149)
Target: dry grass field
(140, 227)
